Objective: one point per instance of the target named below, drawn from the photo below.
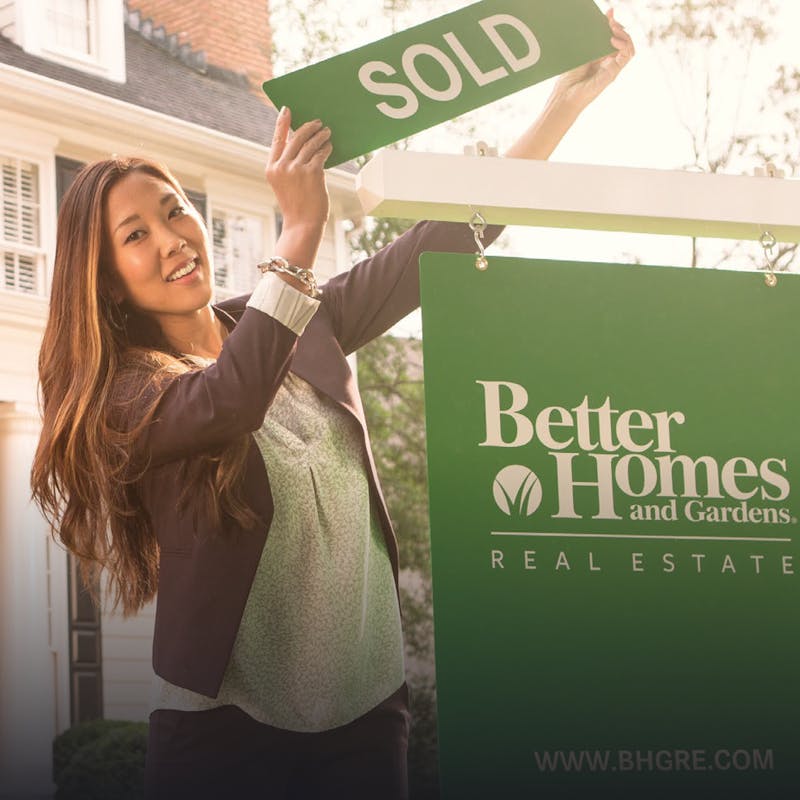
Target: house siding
(127, 664)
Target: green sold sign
(403, 84)
(614, 466)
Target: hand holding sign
(573, 91)
(295, 173)
(586, 82)
(428, 74)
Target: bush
(68, 743)
(101, 760)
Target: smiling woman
(159, 246)
(218, 454)
(111, 342)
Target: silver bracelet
(305, 276)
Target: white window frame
(38, 148)
(32, 32)
(16, 248)
(255, 222)
(249, 198)
(52, 10)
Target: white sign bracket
(552, 194)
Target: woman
(177, 434)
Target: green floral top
(320, 641)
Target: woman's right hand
(295, 171)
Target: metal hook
(768, 242)
(478, 225)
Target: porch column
(28, 668)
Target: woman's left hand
(583, 84)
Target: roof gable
(167, 83)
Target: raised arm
(295, 173)
(208, 408)
(381, 290)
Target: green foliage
(708, 49)
(376, 233)
(390, 380)
(308, 32)
(65, 745)
(391, 384)
(708, 20)
(100, 760)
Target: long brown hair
(102, 370)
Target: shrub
(68, 743)
(101, 760)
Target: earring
(117, 317)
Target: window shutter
(237, 245)
(219, 238)
(20, 234)
(247, 253)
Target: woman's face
(159, 248)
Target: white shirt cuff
(283, 302)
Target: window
(66, 170)
(237, 243)
(72, 26)
(20, 236)
(199, 201)
(88, 35)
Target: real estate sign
(400, 85)
(613, 455)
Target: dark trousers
(225, 753)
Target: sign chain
(478, 225)
(768, 242)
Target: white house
(79, 80)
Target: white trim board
(555, 195)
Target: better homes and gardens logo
(517, 491)
(620, 464)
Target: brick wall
(235, 34)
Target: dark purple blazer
(206, 573)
